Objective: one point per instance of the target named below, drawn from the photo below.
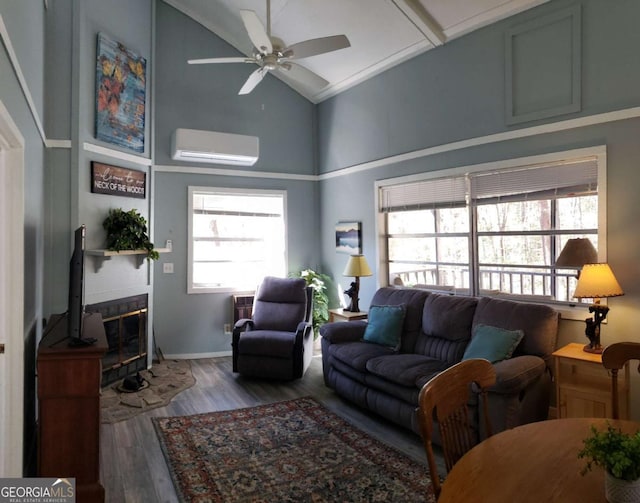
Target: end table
(342, 315)
(583, 385)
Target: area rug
(162, 383)
(292, 451)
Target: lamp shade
(357, 266)
(597, 281)
(576, 253)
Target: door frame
(12, 147)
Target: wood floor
(132, 465)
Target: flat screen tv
(75, 308)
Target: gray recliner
(277, 342)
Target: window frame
(191, 289)
(598, 154)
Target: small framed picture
(349, 238)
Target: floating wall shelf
(102, 255)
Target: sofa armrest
(343, 331)
(303, 325)
(243, 324)
(516, 374)
(303, 330)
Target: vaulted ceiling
(382, 33)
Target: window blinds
(425, 194)
(490, 187)
(540, 182)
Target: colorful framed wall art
(120, 95)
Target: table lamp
(595, 282)
(576, 253)
(357, 266)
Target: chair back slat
(445, 399)
(614, 358)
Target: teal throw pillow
(385, 325)
(492, 343)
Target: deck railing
(542, 283)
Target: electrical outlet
(227, 328)
(167, 268)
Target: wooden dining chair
(614, 357)
(445, 398)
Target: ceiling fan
(270, 55)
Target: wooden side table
(583, 385)
(342, 315)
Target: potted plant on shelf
(619, 454)
(127, 230)
(318, 282)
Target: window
(236, 238)
(491, 231)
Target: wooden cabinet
(583, 385)
(342, 315)
(69, 406)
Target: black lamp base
(594, 350)
(353, 292)
(592, 331)
(353, 307)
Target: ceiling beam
(422, 19)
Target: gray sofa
(435, 333)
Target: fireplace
(125, 324)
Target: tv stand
(69, 406)
(78, 342)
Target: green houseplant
(619, 454)
(318, 282)
(127, 230)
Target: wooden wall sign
(107, 179)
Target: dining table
(536, 462)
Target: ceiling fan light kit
(270, 56)
(193, 145)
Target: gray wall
(458, 92)
(72, 29)
(205, 97)
(24, 22)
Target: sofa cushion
(357, 354)
(280, 304)
(448, 316)
(538, 322)
(405, 369)
(446, 327)
(385, 325)
(380, 386)
(492, 343)
(413, 300)
(267, 343)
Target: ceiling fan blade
(254, 79)
(256, 31)
(316, 46)
(303, 75)
(220, 60)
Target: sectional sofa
(435, 332)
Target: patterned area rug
(163, 381)
(291, 451)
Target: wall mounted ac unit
(192, 145)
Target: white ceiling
(382, 33)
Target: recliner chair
(277, 342)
